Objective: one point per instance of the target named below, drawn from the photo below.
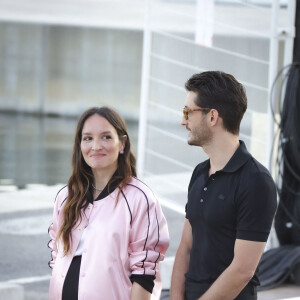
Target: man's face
(197, 123)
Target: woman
(108, 232)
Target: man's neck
(220, 151)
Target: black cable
(288, 135)
(275, 82)
(285, 119)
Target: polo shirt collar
(239, 158)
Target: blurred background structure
(58, 58)
(61, 57)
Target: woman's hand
(139, 293)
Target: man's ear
(213, 117)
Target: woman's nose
(96, 145)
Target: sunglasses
(186, 111)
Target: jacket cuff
(145, 281)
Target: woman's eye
(86, 138)
(106, 137)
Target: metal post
(144, 91)
(43, 65)
(204, 22)
(289, 41)
(273, 70)
(288, 35)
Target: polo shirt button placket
(205, 189)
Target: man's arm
(242, 268)
(181, 263)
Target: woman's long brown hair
(79, 184)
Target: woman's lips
(98, 155)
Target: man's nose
(183, 121)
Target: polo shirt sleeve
(257, 203)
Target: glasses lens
(185, 113)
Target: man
(231, 198)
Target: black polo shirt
(237, 202)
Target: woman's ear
(123, 142)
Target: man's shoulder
(254, 174)
(253, 166)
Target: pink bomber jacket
(129, 238)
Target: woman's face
(100, 144)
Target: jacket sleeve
(149, 236)
(53, 229)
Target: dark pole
(296, 54)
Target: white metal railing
(213, 48)
(198, 69)
(156, 108)
(258, 130)
(240, 30)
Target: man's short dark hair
(222, 92)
